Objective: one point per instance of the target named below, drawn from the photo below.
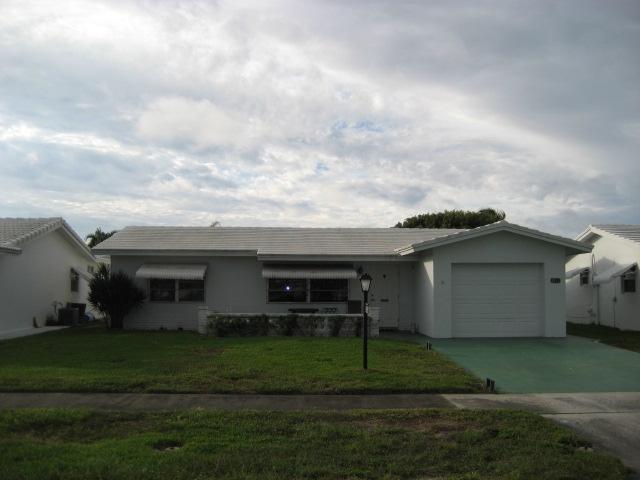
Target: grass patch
(627, 339)
(97, 360)
(451, 444)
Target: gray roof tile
(13, 231)
(629, 232)
(269, 240)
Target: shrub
(235, 326)
(114, 294)
(336, 325)
(309, 325)
(286, 325)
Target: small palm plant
(114, 294)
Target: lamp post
(365, 284)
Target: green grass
(627, 339)
(96, 360)
(451, 444)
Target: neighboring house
(494, 281)
(602, 286)
(42, 261)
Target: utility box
(68, 316)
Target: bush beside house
(114, 295)
(305, 325)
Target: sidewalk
(181, 401)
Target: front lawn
(627, 339)
(94, 359)
(442, 444)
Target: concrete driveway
(551, 365)
(611, 421)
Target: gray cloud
(320, 113)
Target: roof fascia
(177, 253)
(73, 236)
(334, 258)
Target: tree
(453, 219)
(114, 294)
(98, 236)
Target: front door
(384, 292)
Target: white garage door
(497, 300)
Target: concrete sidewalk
(182, 401)
(611, 421)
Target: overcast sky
(319, 113)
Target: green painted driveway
(546, 365)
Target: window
(335, 290)
(162, 290)
(191, 290)
(584, 277)
(287, 290)
(165, 290)
(302, 290)
(629, 281)
(90, 269)
(75, 280)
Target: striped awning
(576, 271)
(174, 272)
(614, 271)
(313, 271)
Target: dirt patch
(210, 351)
(167, 445)
(439, 427)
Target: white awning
(174, 272)
(614, 271)
(576, 271)
(302, 271)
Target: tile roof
(14, 231)
(269, 240)
(629, 232)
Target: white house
(42, 260)
(602, 286)
(494, 281)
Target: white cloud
(328, 113)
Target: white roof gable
(573, 246)
(15, 232)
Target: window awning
(302, 271)
(576, 271)
(614, 271)
(173, 272)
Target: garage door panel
(497, 300)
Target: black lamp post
(365, 284)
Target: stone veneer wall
(304, 324)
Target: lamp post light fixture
(365, 284)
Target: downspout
(597, 290)
(615, 300)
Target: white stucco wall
(235, 284)
(500, 247)
(32, 280)
(423, 294)
(608, 305)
